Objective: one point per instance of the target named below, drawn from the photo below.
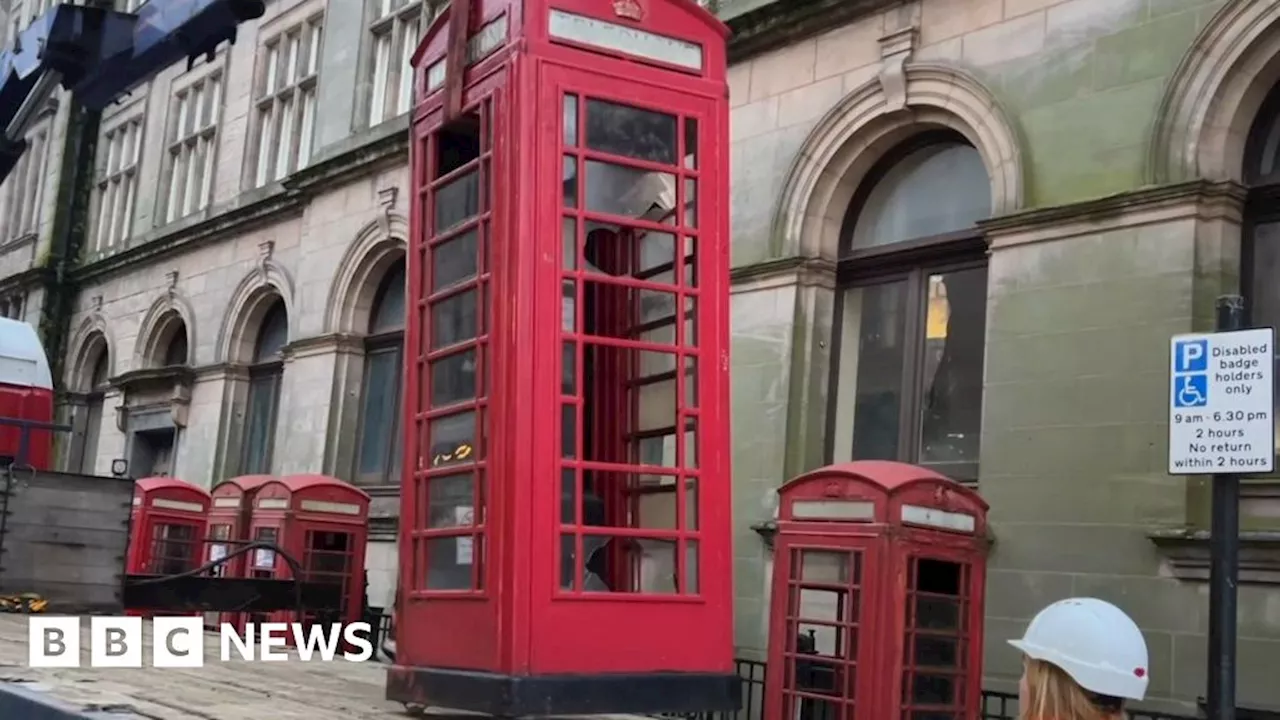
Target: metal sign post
(1222, 421)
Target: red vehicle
(26, 397)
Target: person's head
(1083, 658)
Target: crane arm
(100, 55)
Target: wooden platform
(236, 690)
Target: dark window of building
(264, 390)
(380, 442)
(93, 412)
(1260, 249)
(911, 312)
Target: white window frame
(285, 117)
(22, 193)
(194, 114)
(120, 153)
(395, 28)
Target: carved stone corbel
(180, 405)
(896, 49)
(265, 249)
(387, 201)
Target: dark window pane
(388, 304)
(453, 320)
(1265, 292)
(450, 502)
(377, 432)
(453, 379)
(264, 398)
(869, 385)
(273, 334)
(631, 132)
(937, 189)
(454, 260)
(955, 325)
(457, 201)
(176, 352)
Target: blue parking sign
(1191, 356)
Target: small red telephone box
(877, 607)
(565, 542)
(168, 531)
(230, 512)
(323, 523)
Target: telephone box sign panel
(329, 507)
(1221, 400)
(623, 39)
(847, 510)
(226, 502)
(177, 505)
(273, 504)
(940, 519)
(479, 47)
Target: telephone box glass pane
(936, 639)
(823, 617)
(632, 132)
(628, 417)
(448, 539)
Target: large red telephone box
(323, 523)
(168, 526)
(230, 511)
(878, 577)
(565, 535)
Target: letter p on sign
(1191, 356)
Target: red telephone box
(879, 570)
(168, 526)
(566, 535)
(231, 507)
(323, 523)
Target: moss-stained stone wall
(763, 319)
(1082, 79)
(1087, 282)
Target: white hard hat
(1094, 642)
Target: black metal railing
(995, 705)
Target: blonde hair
(1053, 695)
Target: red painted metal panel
(512, 616)
(924, 653)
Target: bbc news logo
(179, 642)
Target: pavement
(234, 690)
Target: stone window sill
(1187, 554)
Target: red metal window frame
(962, 672)
(477, 463)
(684, 269)
(851, 638)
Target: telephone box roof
(151, 484)
(888, 475)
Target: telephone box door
(823, 627)
(940, 592)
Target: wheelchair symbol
(1191, 391)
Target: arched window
(1260, 251)
(910, 320)
(264, 390)
(379, 451)
(93, 412)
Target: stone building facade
(963, 231)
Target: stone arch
(869, 122)
(170, 313)
(1214, 95)
(249, 302)
(377, 246)
(90, 341)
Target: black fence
(994, 706)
